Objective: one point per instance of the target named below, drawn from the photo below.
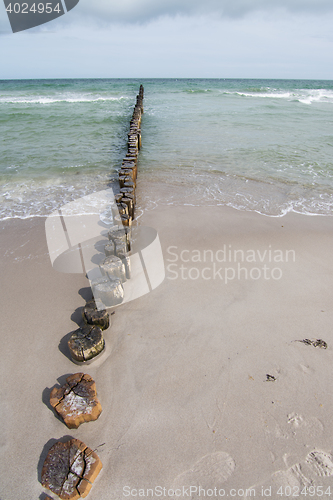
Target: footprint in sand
(210, 471)
(293, 478)
(311, 427)
(295, 420)
(320, 462)
(301, 475)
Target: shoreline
(184, 384)
(161, 190)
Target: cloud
(255, 46)
(135, 11)
(107, 12)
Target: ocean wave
(197, 91)
(304, 96)
(263, 197)
(274, 95)
(52, 100)
(38, 198)
(319, 95)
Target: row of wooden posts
(125, 199)
(76, 401)
(115, 269)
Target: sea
(257, 145)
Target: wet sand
(203, 382)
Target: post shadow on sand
(47, 391)
(99, 246)
(63, 345)
(98, 258)
(86, 293)
(76, 317)
(45, 451)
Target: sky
(175, 39)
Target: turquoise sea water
(264, 145)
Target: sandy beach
(204, 381)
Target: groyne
(127, 176)
(76, 401)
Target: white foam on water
(40, 198)
(271, 199)
(316, 95)
(274, 95)
(304, 96)
(52, 100)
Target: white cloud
(256, 46)
(133, 11)
(106, 12)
